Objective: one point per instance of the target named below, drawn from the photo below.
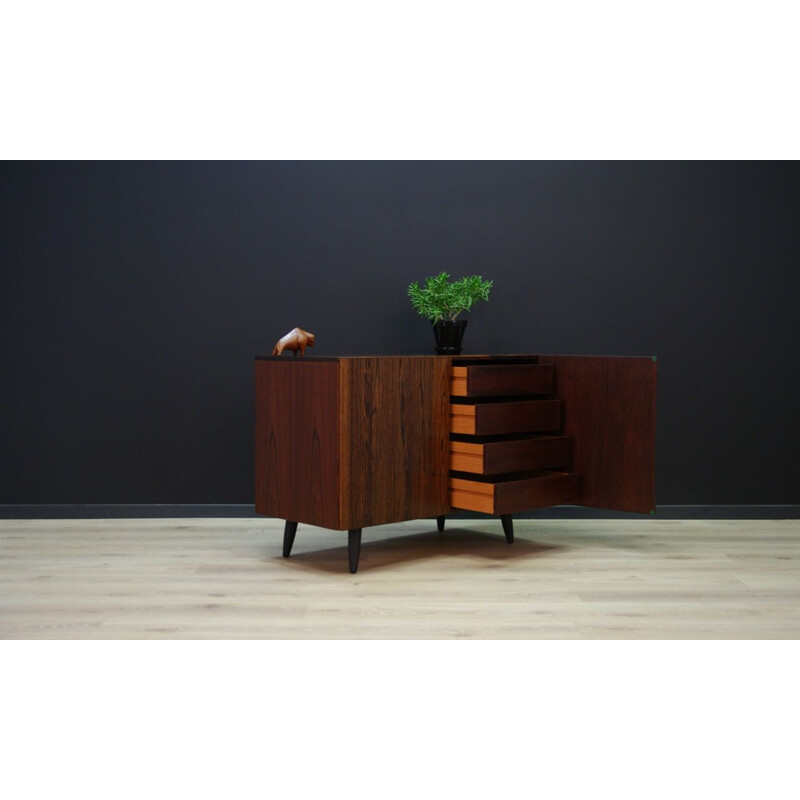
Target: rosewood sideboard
(349, 442)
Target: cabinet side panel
(394, 435)
(296, 427)
(609, 410)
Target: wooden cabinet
(345, 443)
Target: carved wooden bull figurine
(294, 340)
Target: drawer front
(518, 455)
(495, 380)
(511, 495)
(488, 419)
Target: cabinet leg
(508, 527)
(288, 537)
(354, 547)
(440, 524)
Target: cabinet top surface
(334, 358)
(464, 360)
(399, 355)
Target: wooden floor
(225, 578)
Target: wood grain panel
(394, 444)
(538, 452)
(513, 455)
(517, 417)
(297, 437)
(552, 489)
(610, 413)
(509, 495)
(494, 380)
(488, 419)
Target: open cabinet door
(609, 408)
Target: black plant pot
(448, 336)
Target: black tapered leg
(508, 527)
(288, 537)
(440, 524)
(354, 547)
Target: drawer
(512, 493)
(513, 455)
(501, 379)
(521, 416)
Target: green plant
(440, 299)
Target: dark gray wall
(134, 296)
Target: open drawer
(495, 455)
(494, 380)
(520, 416)
(510, 494)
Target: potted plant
(441, 300)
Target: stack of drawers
(506, 451)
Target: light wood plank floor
(225, 578)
